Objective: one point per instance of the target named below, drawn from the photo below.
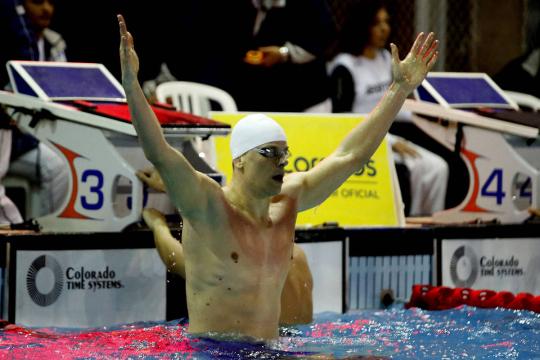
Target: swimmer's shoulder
(292, 183)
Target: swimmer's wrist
(129, 80)
(400, 88)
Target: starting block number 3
(95, 178)
(93, 196)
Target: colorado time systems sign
(496, 264)
(68, 280)
(77, 288)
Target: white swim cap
(252, 131)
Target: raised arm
(358, 146)
(188, 189)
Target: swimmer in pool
(296, 296)
(238, 240)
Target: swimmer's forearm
(187, 188)
(364, 139)
(355, 150)
(170, 250)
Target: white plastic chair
(196, 98)
(525, 100)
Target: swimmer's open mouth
(278, 178)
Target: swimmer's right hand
(129, 61)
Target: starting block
(470, 114)
(80, 111)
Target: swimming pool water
(461, 333)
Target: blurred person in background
(523, 73)
(30, 158)
(276, 45)
(16, 44)
(360, 74)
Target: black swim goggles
(274, 153)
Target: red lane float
(441, 298)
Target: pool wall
(373, 260)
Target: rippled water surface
(462, 333)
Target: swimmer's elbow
(160, 154)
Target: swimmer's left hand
(410, 72)
(151, 178)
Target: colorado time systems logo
(463, 266)
(42, 266)
(46, 280)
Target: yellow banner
(365, 199)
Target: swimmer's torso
(236, 267)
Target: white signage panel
(89, 288)
(326, 263)
(495, 264)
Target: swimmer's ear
(241, 162)
(238, 162)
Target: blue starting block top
(56, 81)
(463, 90)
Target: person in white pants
(9, 214)
(49, 171)
(428, 174)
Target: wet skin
(238, 240)
(248, 262)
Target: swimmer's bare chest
(235, 246)
(235, 240)
(235, 271)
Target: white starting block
(502, 157)
(101, 151)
